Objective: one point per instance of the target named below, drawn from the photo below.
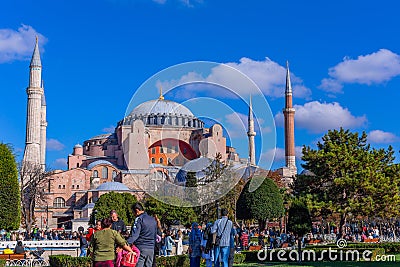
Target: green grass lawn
(326, 264)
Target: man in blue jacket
(143, 235)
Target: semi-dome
(161, 106)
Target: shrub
(2, 263)
(173, 261)
(68, 261)
(239, 258)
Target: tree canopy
(348, 176)
(170, 214)
(10, 205)
(120, 202)
(299, 219)
(265, 203)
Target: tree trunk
(342, 223)
(299, 248)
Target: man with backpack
(222, 229)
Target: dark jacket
(119, 226)
(144, 232)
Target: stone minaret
(43, 127)
(35, 92)
(251, 133)
(288, 112)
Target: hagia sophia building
(156, 139)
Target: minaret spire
(161, 97)
(251, 133)
(288, 113)
(35, 94)
(43, 129)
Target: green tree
(168, 214)
(299, 221)
(120, 202)
(265, 203)
(349, 177)
(10, 205)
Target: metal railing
(28, 262)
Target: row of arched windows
(104, 173)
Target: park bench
(371, 240)
(255, 248)
(12, 256)
(285, 245)
(314, 241)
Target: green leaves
(265, 203)
(120, 202)
(350, 177)
(299, 221)
(10, 205)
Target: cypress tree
(10, 206)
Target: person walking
(102, 245)
(195, 237)
(178, 243)
(143, 235)
(169, 243)
(206, 245)
(222, 228)
(83, 244)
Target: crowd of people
(109, 243)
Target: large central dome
(161, 106)
(161, 112)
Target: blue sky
(344, 58)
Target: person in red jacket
(244, 240)
(91, 230)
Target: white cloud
(268, 75)
(54, 145)
(375, 68)
(319, 117)
(109, 129)
(381, 137)
(18, 45)
(60, 163)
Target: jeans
(83, 252)
(195, 261)
(145, 258)
(224, 251)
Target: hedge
(69, 261)
(389, 247)
(2, 263)
(173, 261)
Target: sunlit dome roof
(161, 106)
(112, 186)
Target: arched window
(161, 160)
(104, 173)
(95, 174)
(153, 160)
(153, 150)
(59, 202)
